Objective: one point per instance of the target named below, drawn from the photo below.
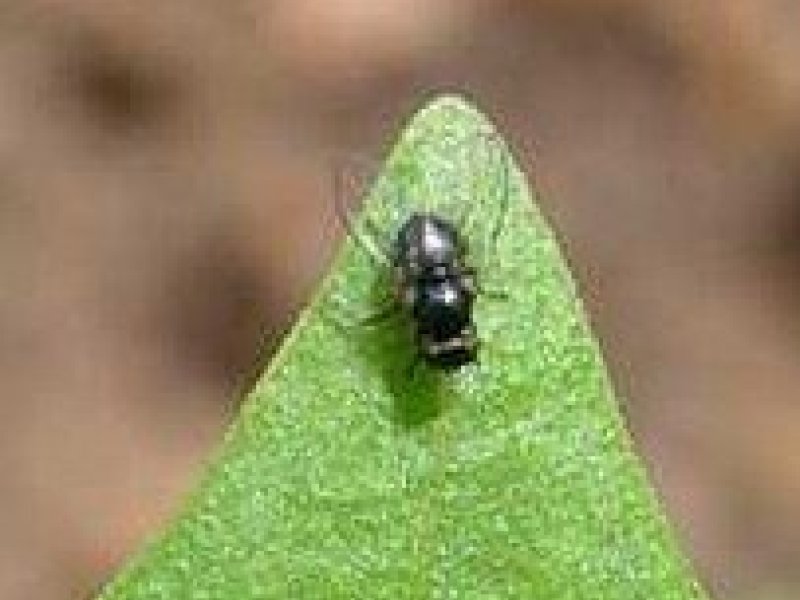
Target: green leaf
(351, 473)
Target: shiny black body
(437, 288)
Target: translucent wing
(463, 176)
(352, 181)
(485, 211)
(369, 207)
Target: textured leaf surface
(350, 474)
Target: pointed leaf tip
(347, 477)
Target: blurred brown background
(165, 197)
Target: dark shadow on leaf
(420, 394)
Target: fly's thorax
(425, 241)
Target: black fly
(432, 279)
(436, 287)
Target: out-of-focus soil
(165, 200)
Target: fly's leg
(382, 314)
(471, 284)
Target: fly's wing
(370, 207)
(486, 211)
(467, 180)
(352, 181)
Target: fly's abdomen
(443, 315)
(442, 308)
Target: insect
(437, 288)
(429, 256)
